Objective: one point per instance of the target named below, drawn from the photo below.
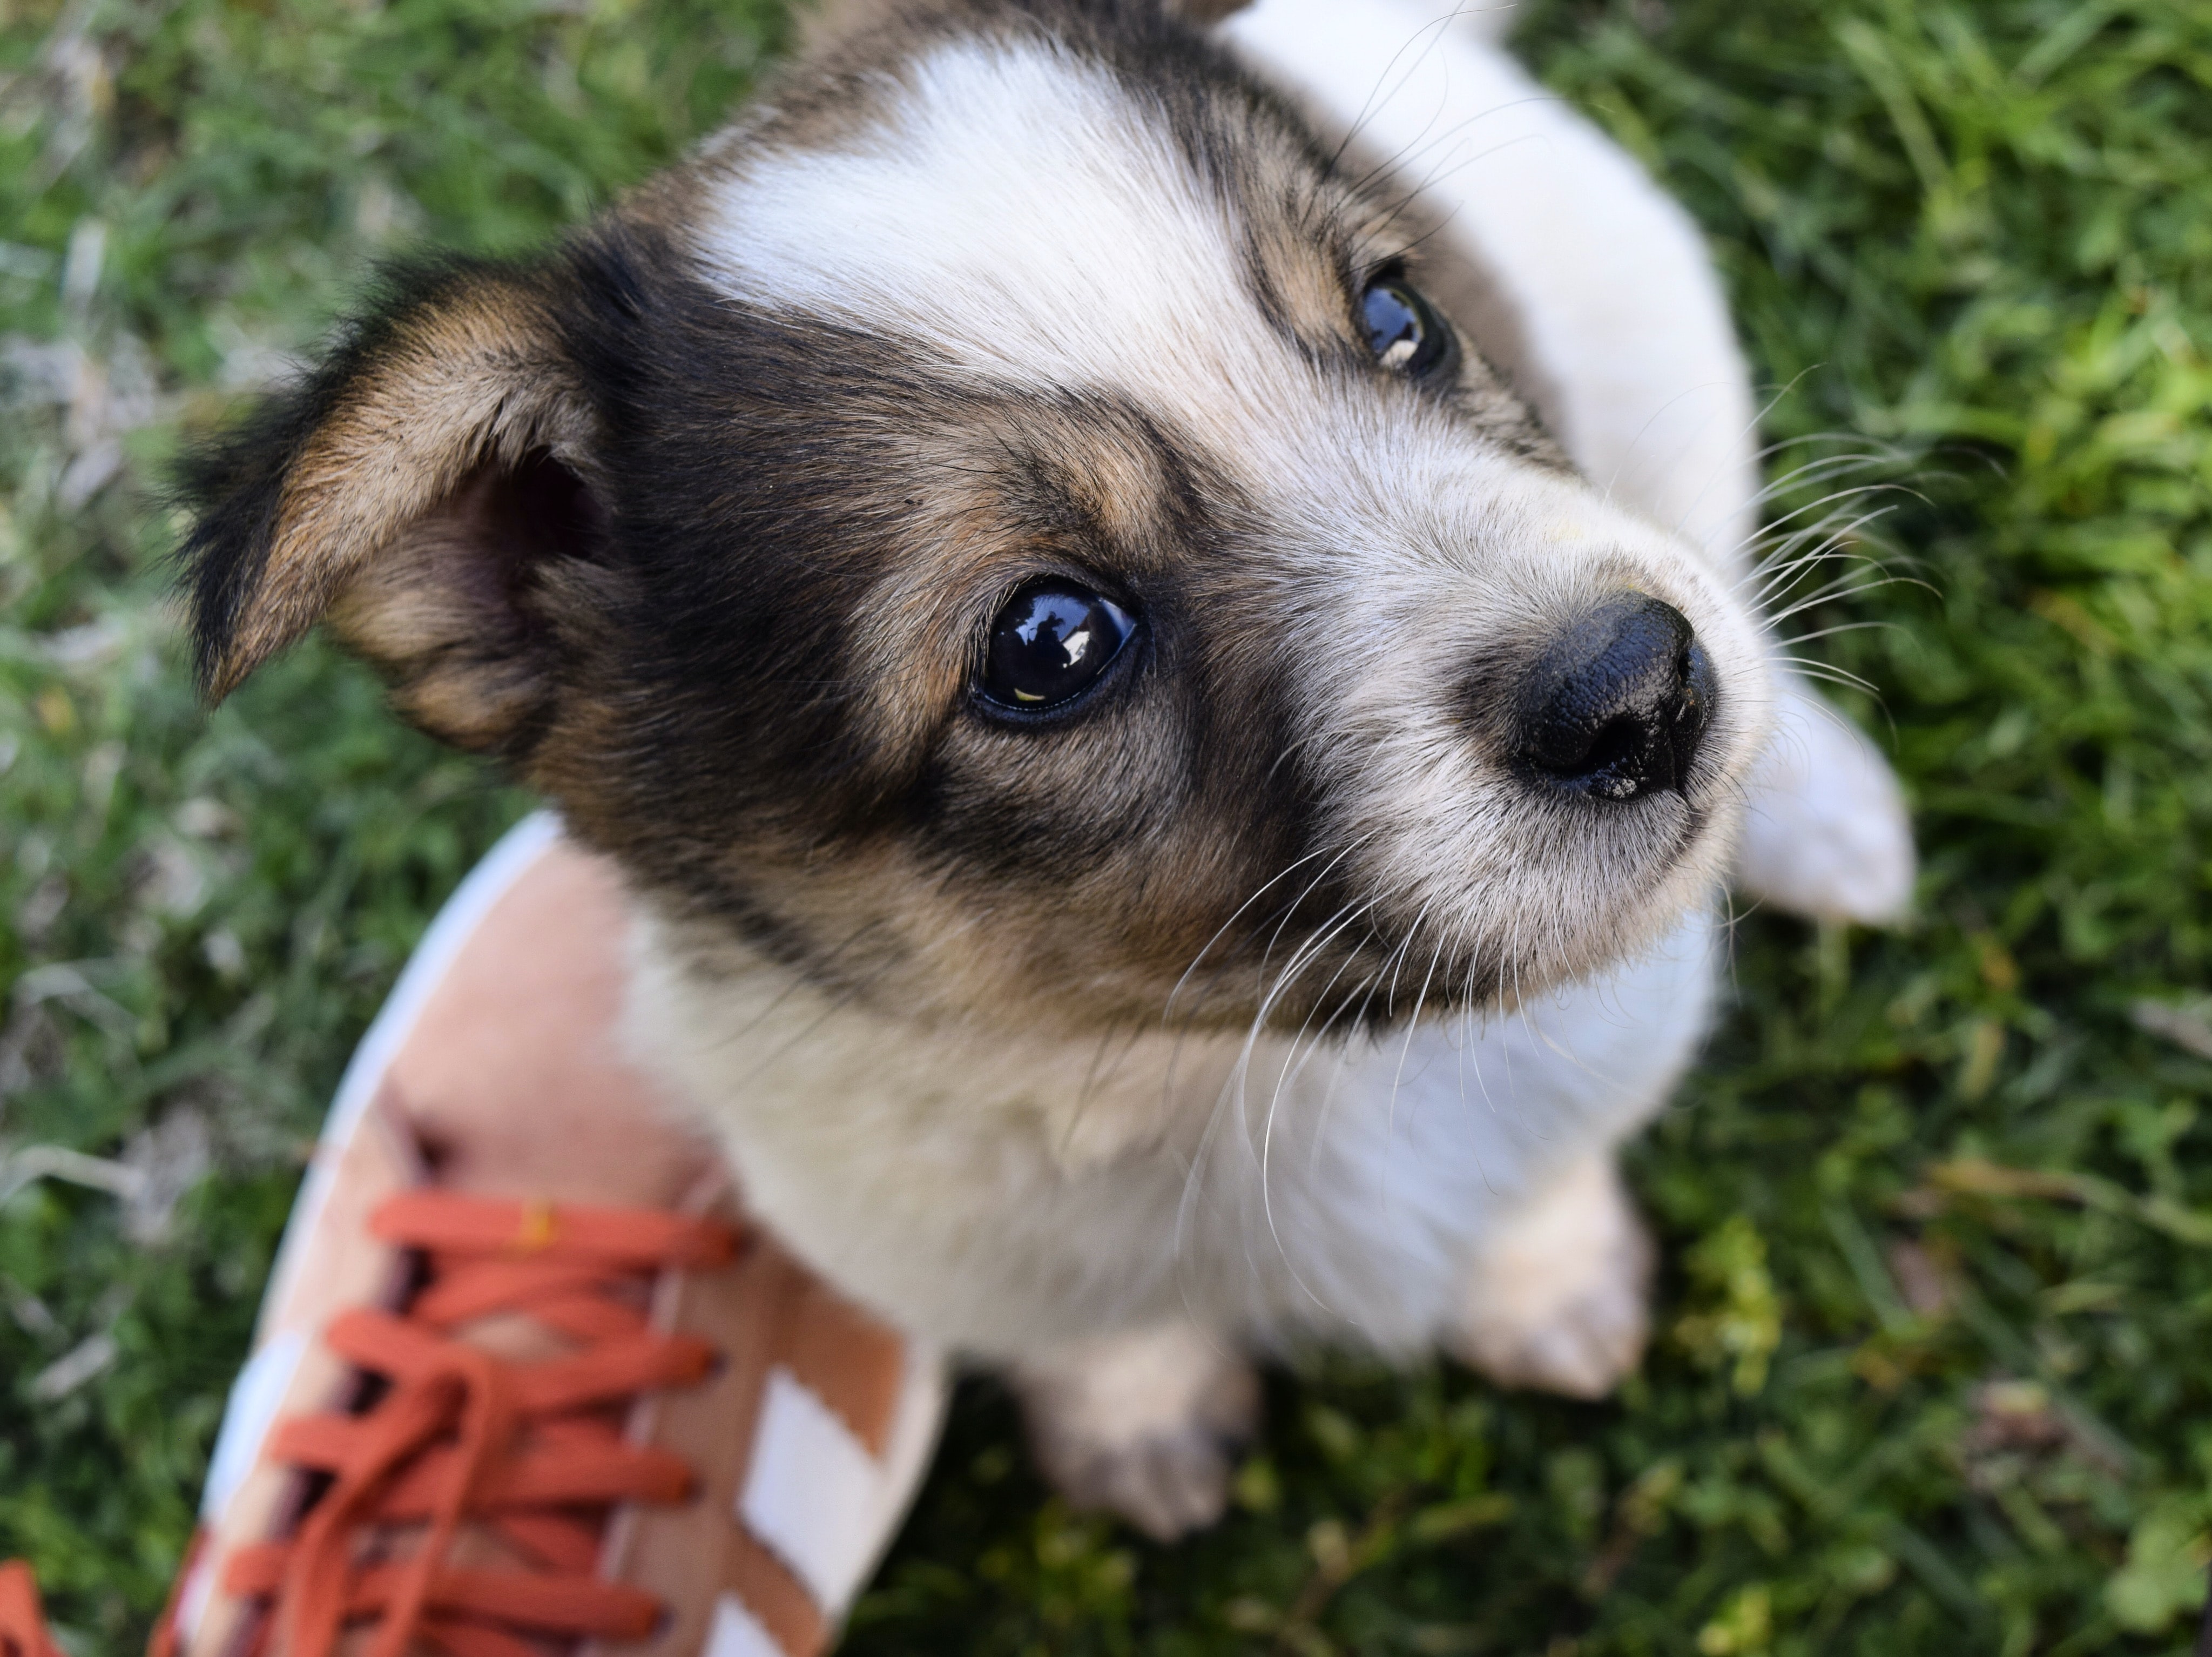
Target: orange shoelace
(532, 1453)
(22, 1620)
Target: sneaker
(526, 1382)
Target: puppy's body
(1009, 1191)
(1293, 975)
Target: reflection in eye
(1403, 330)
(1051, 642)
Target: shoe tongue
(512, 1075)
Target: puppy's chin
(1682, 855)
(1575, 928)
(896, 939)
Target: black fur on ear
(406, 490)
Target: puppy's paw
(1143, 1425)
(1825, 829)
(1560, 1299)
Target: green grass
(1934, 1372)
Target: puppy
(1168, 662)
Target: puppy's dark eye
(1050, 644)
(1403, 330)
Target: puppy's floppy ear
(1205, 13)
(420, 491)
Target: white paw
(1558, 1300)
(1142, 1425)
(1824, 828)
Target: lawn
(1933, 1367)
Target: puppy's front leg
(1824, 828)
(1559, 1298)
(1143, 1424)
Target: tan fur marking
(479, 380)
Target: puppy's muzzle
(1615, 707)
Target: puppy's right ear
(422, 491)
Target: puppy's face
(1007, 531)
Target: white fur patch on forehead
(1018, 211)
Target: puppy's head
(1005, 531)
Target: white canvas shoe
(526, 1381)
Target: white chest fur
(1005, 1197)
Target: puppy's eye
(1050, 644)
(1403, 329)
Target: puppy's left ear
(424, 492)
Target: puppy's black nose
(1615, 706)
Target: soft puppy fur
(1173, 746)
